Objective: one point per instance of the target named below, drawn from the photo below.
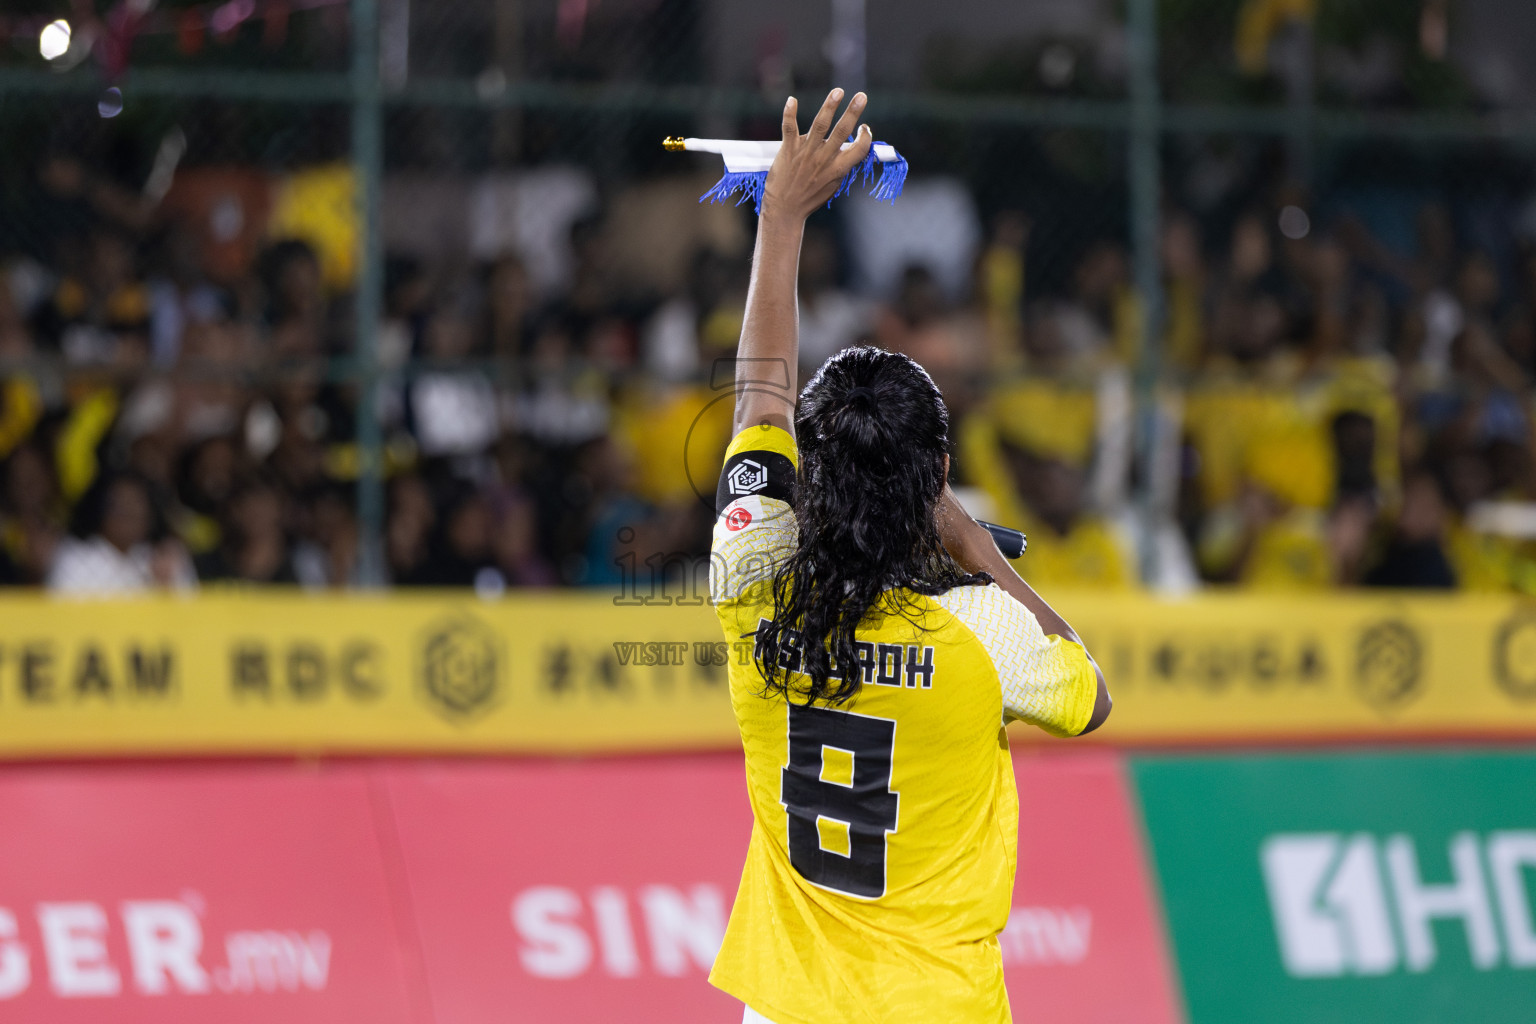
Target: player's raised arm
(805, 174)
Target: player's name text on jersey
(898, 665)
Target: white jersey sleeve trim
(1040, 676)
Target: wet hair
(873, 433)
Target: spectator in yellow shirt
(1274, 534)
(1043, 491)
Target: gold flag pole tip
(672, 143)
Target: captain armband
(763, 474)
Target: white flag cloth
(747, 163)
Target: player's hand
(810, 167)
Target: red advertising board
(194, 894)
(573, 892)
(1084, 943)
(600, 891)
(459, 892)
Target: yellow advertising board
(280, 673)
(1233, 667)
(269, 672)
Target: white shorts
(751, 1016)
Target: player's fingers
(791, 122)
(823, 122)
(851, 157)
(850, 118)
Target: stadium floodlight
(53, 40)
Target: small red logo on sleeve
(737, 518)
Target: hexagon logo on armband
(747, 477)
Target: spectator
(408, 528)
(179, 295)
(562, 403)
(518, 562)
(117, 545)
(460, 548)
(618, 528)
(327, 556)
(21, 401)
(672, 344)
(950, 343)
(1415, 556)
(208, 475)
(31, 515)
(1306, 367)
(453, 412)
(254, 546)
(1354, 443)
(296, 312)
(1068, 547)
(508, 308)
(1028, 450)
(1101, 321)
(100, 316)
(1481, 561)
(999, 289)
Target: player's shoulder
(982, 603)
(996, 619)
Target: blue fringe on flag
(750, 185)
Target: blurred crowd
(180, 396)
(1339, 413)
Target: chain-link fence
(351, 293)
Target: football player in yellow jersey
(886, 642)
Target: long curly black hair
(873, 433)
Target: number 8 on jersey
(837, 785)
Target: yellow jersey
(885, 830)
